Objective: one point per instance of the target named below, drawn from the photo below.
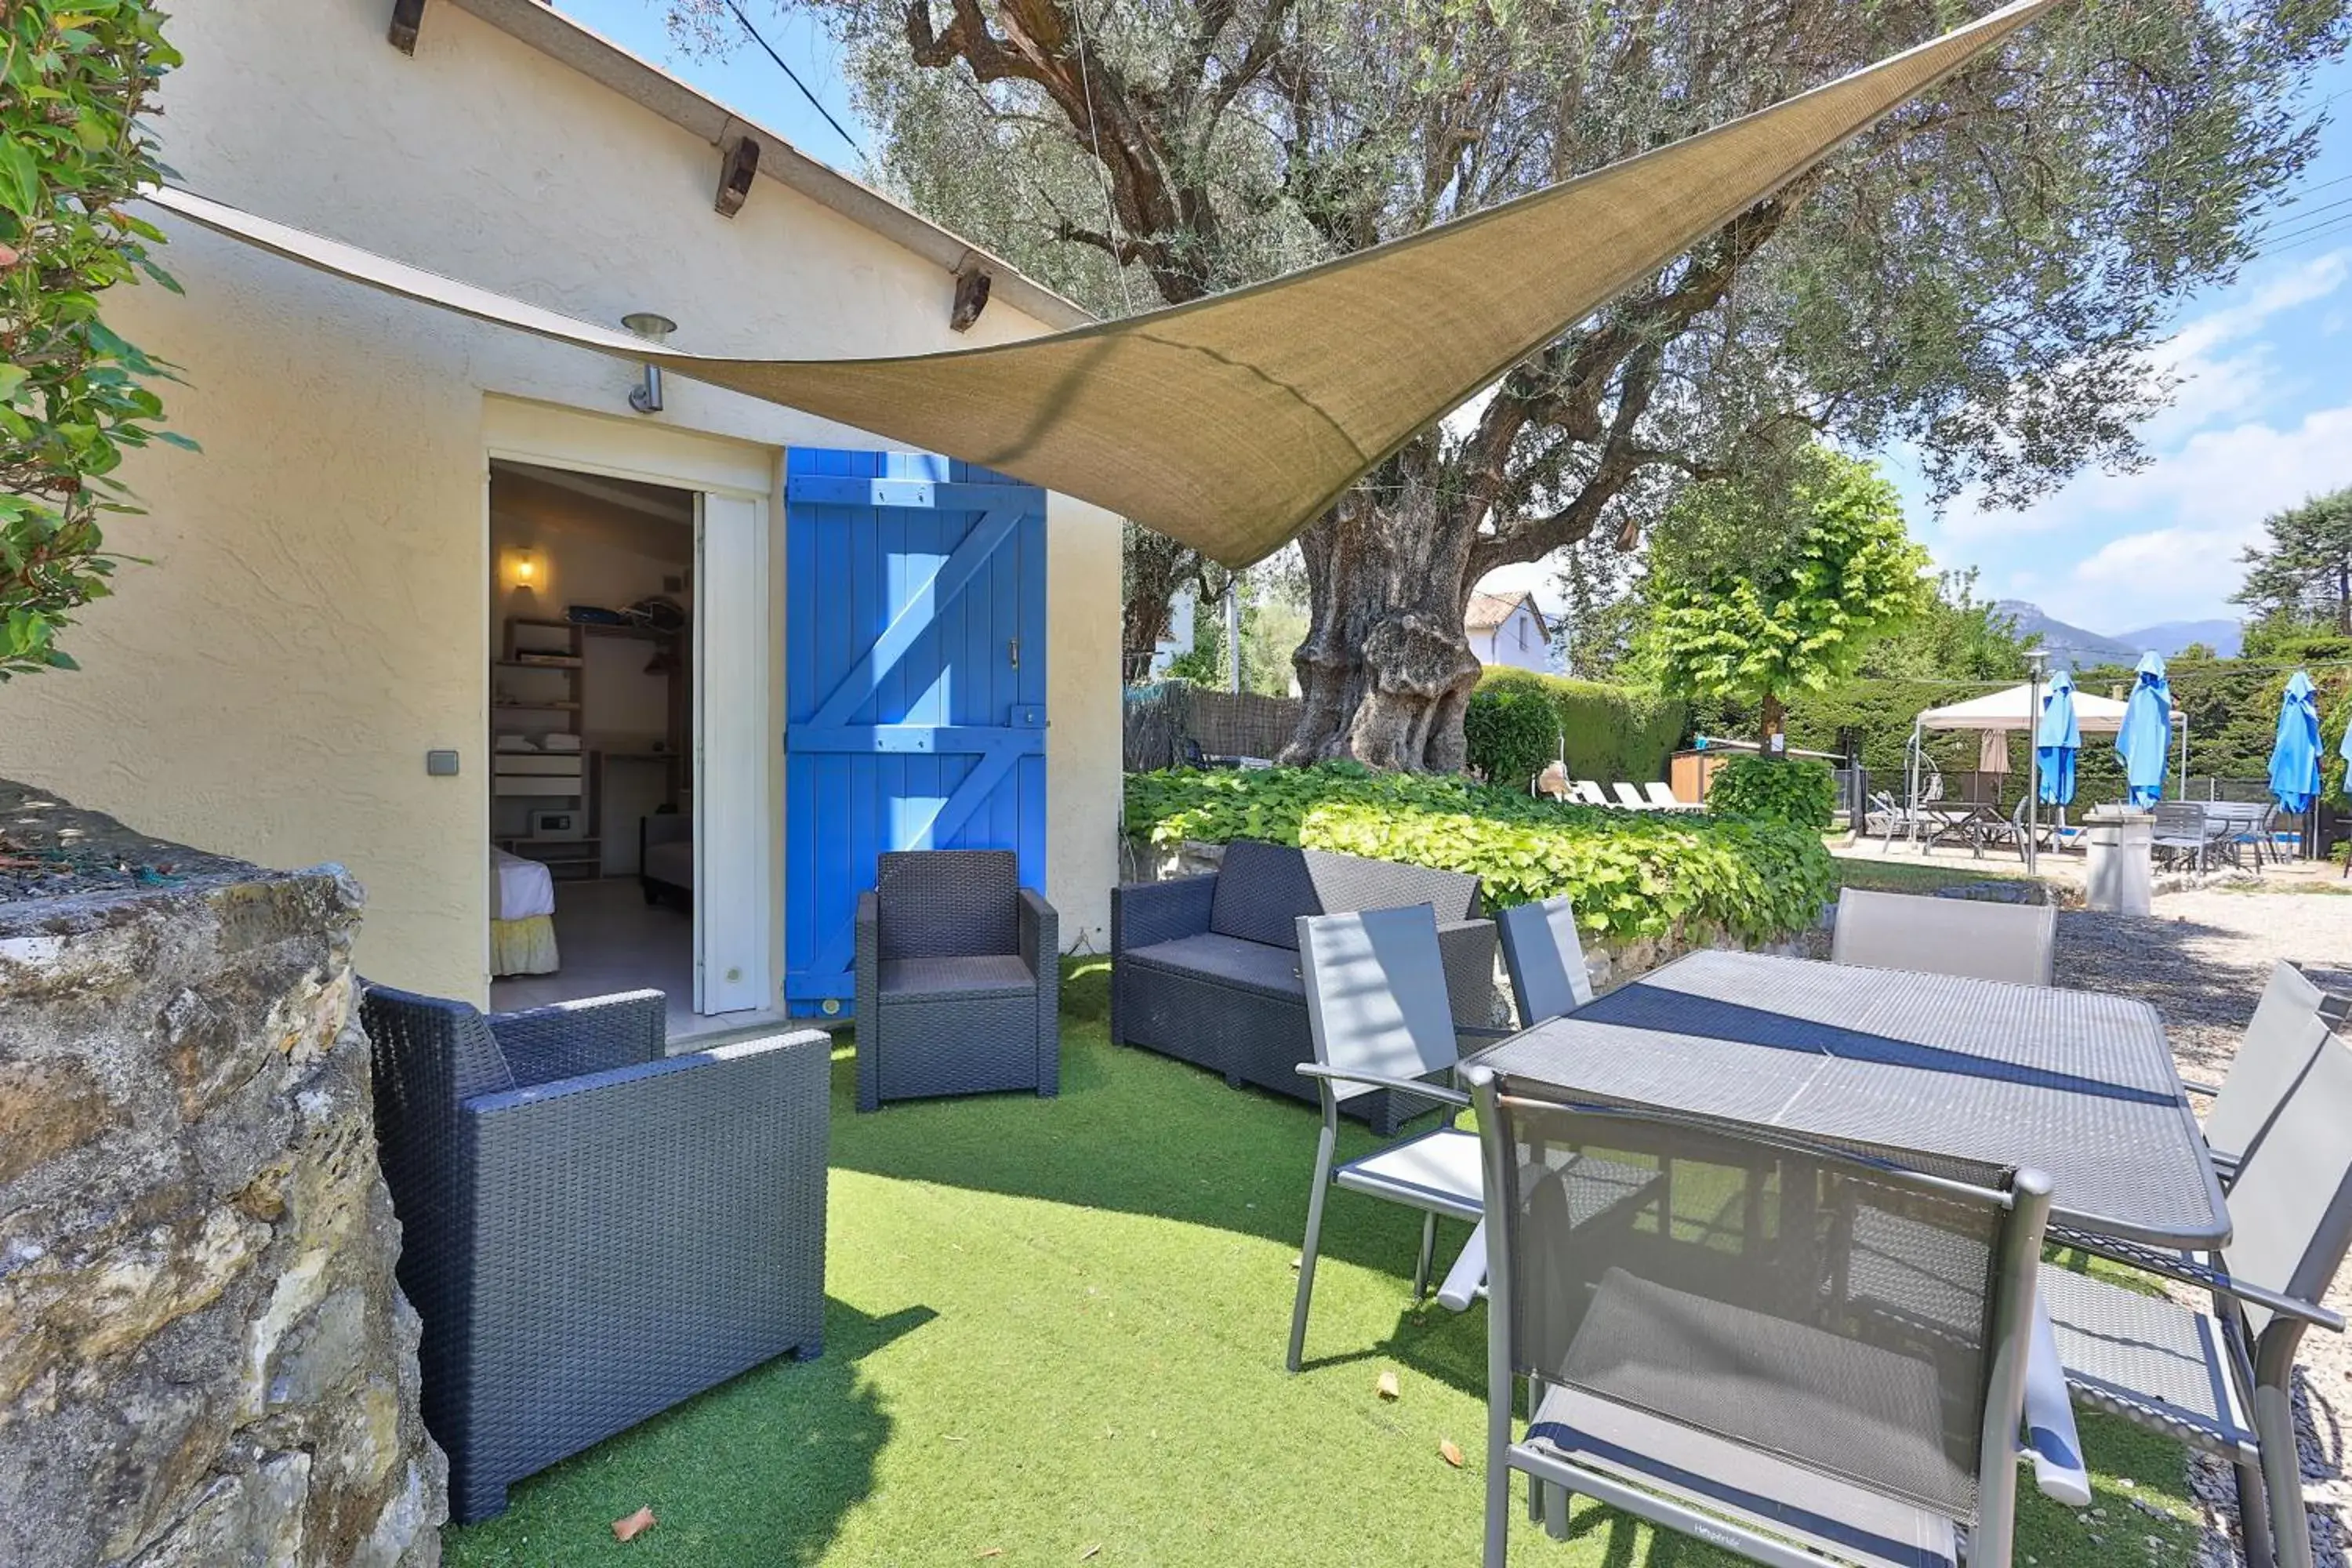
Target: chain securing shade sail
(1231, 423)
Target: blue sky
(2264, 418)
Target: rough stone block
(203, 1356)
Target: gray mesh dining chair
(2290, 1024)
(1960, 937)
(2223, 1380)
(1738, 1389)
(1376, 1003)
(1545, 961)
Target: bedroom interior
(591, 711)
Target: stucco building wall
(313, 619)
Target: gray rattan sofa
(959, 979)
(591, 1231)
(1205, 969)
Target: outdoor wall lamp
(646, 397)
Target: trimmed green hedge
(1796, 791)
(1631, 875)
(1611, 731)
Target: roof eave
(562, 39)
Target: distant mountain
(2070, 648)
(2224, 637)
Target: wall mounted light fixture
(522, 567)
(646, 397)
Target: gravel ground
(2201, 959)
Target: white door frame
(636, 448)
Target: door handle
(1012, 651)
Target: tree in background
(1757, 592)
(1955, 637)
(73, 83)
(2302, 576)
(1979, 275)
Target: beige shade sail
(1231, 423)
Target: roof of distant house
(1488, 611)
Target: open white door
(731, 715)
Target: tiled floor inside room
(609, 939)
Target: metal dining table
(2075, 1083)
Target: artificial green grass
(1055, 1328)
(1896, 876)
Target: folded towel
(560, 743)
(516, 744)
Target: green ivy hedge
(1611, 731)
(1800, 792)
(1631, 875)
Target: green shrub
(1631, 875)
(1610, 732)
(1800, 792)
(78, 84)
(1513, 734)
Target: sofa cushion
(1262, 889)
(912, 978)
(1229, 959)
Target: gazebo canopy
(2013, 710)
(1231, 423)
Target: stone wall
(203, 1359)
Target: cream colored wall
(313, 619)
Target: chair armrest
(2051, 1440)
(566, 1040)
(1143, 913)
(2188, 1269)
(865, 981)
(1422, 1087)
(1040, 933)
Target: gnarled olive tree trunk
(1386, 670)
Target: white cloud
(2239, 385)
(2212, 495)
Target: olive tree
(1978, 276)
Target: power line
(813, 101)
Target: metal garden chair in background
(1376, 1003)
(2223, 1380)
(1961, 937)
(1751, 1395)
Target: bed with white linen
(522, 926)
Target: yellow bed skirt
(524, 946)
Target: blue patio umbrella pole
(2144, 743)
(2295, 755)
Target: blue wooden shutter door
(915, 684)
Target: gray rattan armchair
(959, 979)
(591, 1231)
